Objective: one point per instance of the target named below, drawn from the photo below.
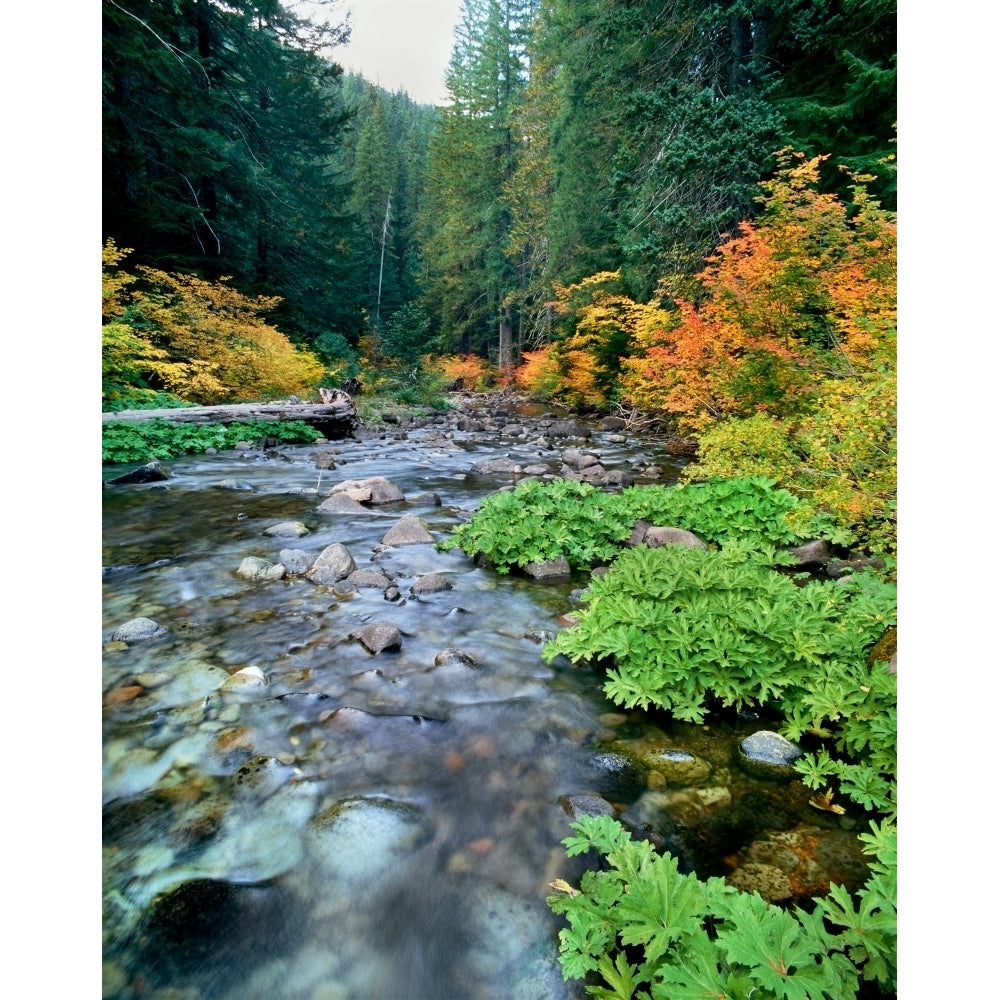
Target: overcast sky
(402, 44)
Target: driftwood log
(333, 420)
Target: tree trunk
(335, 420)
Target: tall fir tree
(221, 124)
(472, 155)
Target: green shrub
(648, 931)
(537, 521)
(125, 441)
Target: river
(344, 825)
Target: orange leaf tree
(805, 293)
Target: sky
(402, 44)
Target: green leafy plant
(537, 521)
(640, 928)
(124, 441)
(692, 630)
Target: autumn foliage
(783, 366)
(468, 370)
(203, 342)
(805, 293)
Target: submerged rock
(136, 629)
(254, 569)
(287, 529)
(359, 838)
(772, 883)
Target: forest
(677, 211)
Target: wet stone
(136, 629)
(261, 776)
(254, 569)
(379, 637)
(772, 883)
(358, 839)
(341, 503)
(451, 655)
(296, 561)
(586, 805)
(332, 565)
(765, 754)
(678, 767)
(287, 529)
(409, 530)
(431, 583)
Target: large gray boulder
(408, 530)
(373, 490)
(333, 564)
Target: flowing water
(361, 825)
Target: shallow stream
(361, 826)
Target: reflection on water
(354, 826)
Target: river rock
(379, 637)
(333, 564)
(549, 569)
(136, 629)
(586, 804)
(765, 754)
(453, 655)
(151, 472)
(235, 484)
(261, 776)
(568, 428)
(772, 883)
(246, 679)
(613, 423)
(493, 466)
(360, 838)
(655, 537)
(254, 568)
(374, 490)
(618, 775)
(341, 503)
(287, 529)
(579, 460)
(811, 555)
(408, 530)
(296, 561)
(430, 583)
(370, 578)
(676, 768)
(839, 568)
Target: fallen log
(333, 420)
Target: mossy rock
(885, 648)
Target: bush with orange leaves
(805, 293)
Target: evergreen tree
(467, 216)
(221, 121)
